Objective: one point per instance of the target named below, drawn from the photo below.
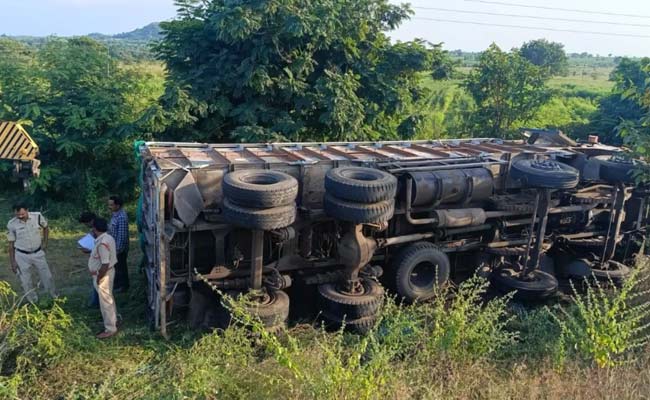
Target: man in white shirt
(27, 250)
(102, 259)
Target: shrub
(606, 325)
(30, 338)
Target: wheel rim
(546, 165)
(423, 275)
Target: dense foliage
(290, 70)
(81, 106)
(506, 88)
(549, 56)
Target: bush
(606, 325)
(30, 339)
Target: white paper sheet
(87, 242)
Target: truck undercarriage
(333, 224)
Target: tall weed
(607, 323)
(30, 338)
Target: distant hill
(127, 46)
(147, 33)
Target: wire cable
(509, 4)
(531, 16)
(540, 28)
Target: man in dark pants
(119, 230)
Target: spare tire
(259, 218)
(547, 174)
(359, 184)
(260, 188)
(358, 213)
(613, 168)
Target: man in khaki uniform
(27, 250)
(102, 259)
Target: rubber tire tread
(619, 274)
(276, 312)
(410, 256)
(358, 213)
(361, 325)
(358, 190)
(342, 305)
(239, 192)
(259, 218)
(197, 309)
(614, 172)
(567, 178)
(536, 290)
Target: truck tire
(260, 188)
(420, 268)
(358, 213)
(273, 311)
(360, 325)
(613, 169)
(351, 307)
(359, 184)
(538, 286)
(615, 271)
(259, 218)
(198, 307)
(545, 174)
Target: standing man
(27, 250)
(119, 230)
(87, 219)
(102, 259)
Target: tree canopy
(506, 88)
(81, 107)
(549, 56)
(270, 70)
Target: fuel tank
(461, 186)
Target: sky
(432, 21)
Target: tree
(549, 56)
(81, 107)
(506, 89)
(270, 70)
(443, 66)
(623, 103)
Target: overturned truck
(324, 228)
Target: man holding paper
(86, 245)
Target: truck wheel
(272, 310)
(259, 218)
(420, 269)
(197, 310)
(613, 169)
(545, 174)
(358, 213)
(614, 270)
(360, 325)
(359, 184)
(260, 188)
(348, 306)
(537, 285)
